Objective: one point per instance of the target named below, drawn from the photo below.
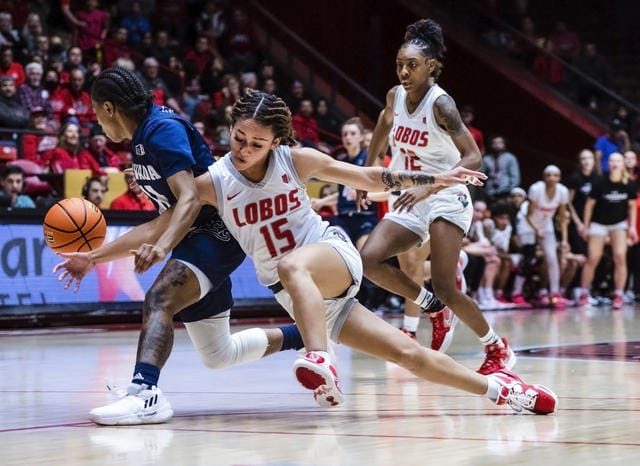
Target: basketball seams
(63, 216)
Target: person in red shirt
(305, 126)
(77, 102)
(134, 198)
(37, 147)
(11, 68)
(105, 157)
(69, 153)
(116, 47)
(202, 53)
(91, 25)
(468, 114)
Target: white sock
(425, 299)
(411, 323)
(491, 338)
(493, 389)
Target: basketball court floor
(257, 414)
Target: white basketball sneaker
(315, 373)
(140, 404)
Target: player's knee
(408, 356)
(444, 287)
(219, 357)
(370, 260)
(289, 268)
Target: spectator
(12, 113)
(161, 49)
(295, 95)
(52, 85)
(545, 66)
(502, 169)
(31, 31)
(614, 140)
(32, 94)
(115, 46)
(478, 248)
(213, 20)
(153, 82)
(94, 190)
(9, 67)
(74, 59)
(69, 154)
(202, 53)
(523, 46)
(305, 125)
(328, 125)
(134, 198)
(239, 44)
(37, 147)
(270, 86)
(326, 204)
(41, 49)
(107, 159)
(498, 230)
(77, 102)
(91, 26)
(136, 24)
(595, 66)
(229, 93)
(468, 115)
(566, 41)
(10, 37)
(631, 164)
(610, 211)
(12, 187)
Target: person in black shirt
(610, 211)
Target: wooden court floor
(256, 414)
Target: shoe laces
(519, 398)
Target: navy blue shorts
(356, 225)
(212, 249)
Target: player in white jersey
(546, 198)
(427, 129)
(313, 269)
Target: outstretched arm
(311, 163)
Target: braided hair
(268, 110)
(123, 87)
(426, 35)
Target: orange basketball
(74, 225)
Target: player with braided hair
(168, 152)
(423, 127)
(313, 269)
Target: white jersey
(423, 144)
(269, 218)
(546, 208)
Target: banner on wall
(26, 277)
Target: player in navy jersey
(312, 268)
(168, 152)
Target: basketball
(74, 225)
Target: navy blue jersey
(162, 145)
(346, 195)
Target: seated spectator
(52, 85)
(498, 230)
(107, 159)
(9, 67)
(150, 77)
(201, 54)
(295, 95)
(134, 198)
(115, 46)
(468, 115)
(478, 248)
(31, 31)
(69, 153)
(32, 94)
(77, 103)
(230, 92)
(162, 49)
(136, 24)
(547, 67)
(75, 59)
(565, 40)
(12, 113)
(94, 190)
(522, 47)
(239, 44)
(305, 125)
(213, 20)
(328, 125)
(12, 186)
(326, 204)
(37, 147)
(9, 36)
(270, 86)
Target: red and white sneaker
(618, 302)
(497, 358)
(583, 300)
(408, 333)
(315, 373)
(520, 302)
(537, 399)
(559, 302)
(443, 323)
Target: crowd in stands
(50, 52)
